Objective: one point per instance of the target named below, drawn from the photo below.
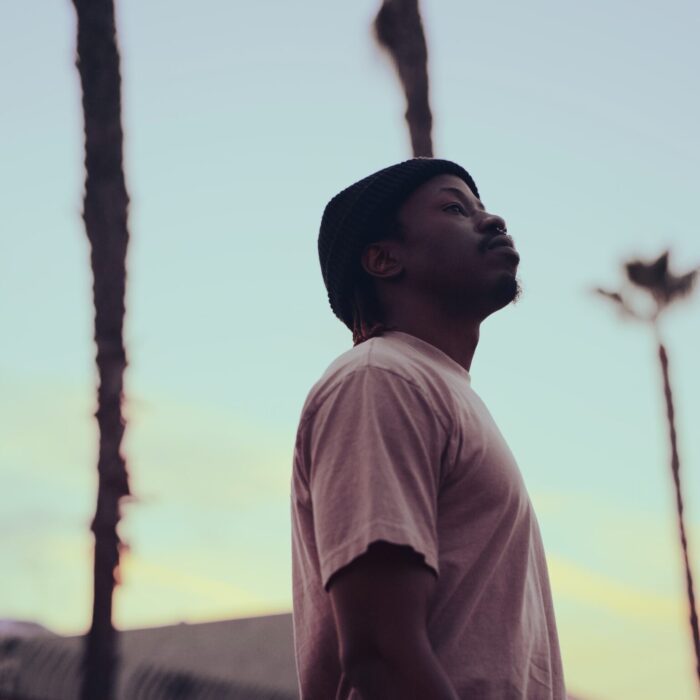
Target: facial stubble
(507, 290)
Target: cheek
(449, 264)
(432, 262)
(445, 269)
(457, 259)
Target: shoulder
(376, 365)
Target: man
(417, 562)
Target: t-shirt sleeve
(375, 450)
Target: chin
(506, 291)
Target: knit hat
(351, 217)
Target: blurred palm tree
(663, 288)
(398, 29)
(105, 214)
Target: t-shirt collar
(433, 351)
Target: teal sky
(578, 122)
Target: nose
(492, 223)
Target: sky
(578, 122)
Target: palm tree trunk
(675, 469)
(105, 214)
(399, 29)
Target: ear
(380, 259)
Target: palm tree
(398, 30)
(105, 215)
(664, 288)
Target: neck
(456, 337)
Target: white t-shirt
(393, 444)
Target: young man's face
(453, 251)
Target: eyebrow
(462, 196)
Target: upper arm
(374, 451)
(380, 602)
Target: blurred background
(578, 122)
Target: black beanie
(350, 218)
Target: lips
(503, 244)
(500, 241)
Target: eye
(458, 206)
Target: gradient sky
(578, 122)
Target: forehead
(435, 187)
